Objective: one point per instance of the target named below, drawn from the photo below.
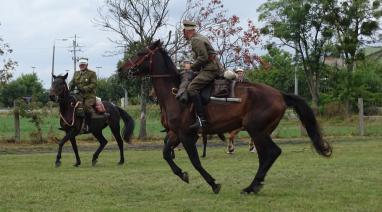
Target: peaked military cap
(83, 61)
(188, 25)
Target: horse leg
(165, 141)
(204, 145)
(170, 144)
(252, 146)
(189, 144)
(102, 140)
(230, 144)
(115, 129)
(60, 145)
(75, 149)
(268, 152)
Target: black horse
(71, 124)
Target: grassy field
(288, 128)
(299, 181)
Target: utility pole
(54, 50)
(33, 67)
(295, 74)
(76, 48)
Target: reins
(71, 104)
(73, 118)
(149, 55)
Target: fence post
(361, 127)
(16, 114)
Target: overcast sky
(31, 26)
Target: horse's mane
(170, 64)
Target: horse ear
(158, 43)
(66, 76)
(54, 76)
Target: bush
(334, 109)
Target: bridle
(139, 61)
(61, 98)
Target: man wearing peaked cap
(84, 85)
(205, 64)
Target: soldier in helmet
(83, 85)
(205, 64)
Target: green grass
(300, 180)
(288, 128)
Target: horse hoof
(77, 164)
(185, 177)
(252, 190)
(217, 188)
(94, 162)
(121, 162)
(58, 164)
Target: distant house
(371, 53)
(334, 61)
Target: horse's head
(59, 87)
(140, 64)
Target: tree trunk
(315, 102)
(144, 91)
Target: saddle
(220, 90)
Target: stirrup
(200, 123)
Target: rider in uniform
(83, 85)
(205, 64)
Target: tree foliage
(7, 64)
(356, 24)
(302, 26)
(27, 85)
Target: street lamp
(54, 49)
(98, 68)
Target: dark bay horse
(259, 113)
(72, 124)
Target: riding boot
(85, 124)
(201, 121)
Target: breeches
(88, 104)
(200, 81)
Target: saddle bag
(99, 107)
(220, 88)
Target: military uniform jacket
(204, 54)
(86, 83)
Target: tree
(137, 23)
(301, 25)
(109, 89)
(233, 43)
(356, 23)
(281, 75)
(8, 65)
(26, 85)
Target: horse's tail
(308, 119)
(128, 129)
